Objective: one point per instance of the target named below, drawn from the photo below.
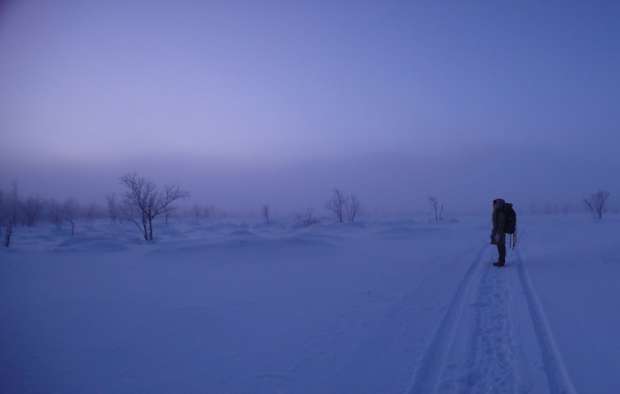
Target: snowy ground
(381, 307)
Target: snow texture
(377, 307)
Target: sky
(252, 102)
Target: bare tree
(337, 205)
(266, 212)
(306, 219)
(9, 213)
(143, 201)
(436, 207)
(112, 207)
(202, 212)
(70, 210)
(343, 207)
(352, 208)
(597, 203)
(32, 208)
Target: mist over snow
(385, 183)
(266, 279)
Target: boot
(499, 264)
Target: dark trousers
(501, 249)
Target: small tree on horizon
(597, 203)
(343, 207)
(112, 207)
(352, 208)
(437, 208)
(266, 213)
(9, 207)
(337, 204)
(306, 219)
(143, 201)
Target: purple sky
(258, 101)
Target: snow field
(379, 307)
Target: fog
(243, 104)
(385, 183)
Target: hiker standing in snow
(498, 234)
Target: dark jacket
(499, 219)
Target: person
(498, 234)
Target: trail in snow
(490, 357)
(493, 338)
(432, 363)
(557, 376)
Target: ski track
(426, 378)
(491, 360)
(557, 375)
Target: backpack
(511, 219)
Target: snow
(385, 306)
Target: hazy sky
(280, 101)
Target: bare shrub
(437, 209)
(352, 208)
(143, 201)
(9, 207)
(306, 219)
(343, 207)
(266, 213)
(200, 212)
(113, 208)
(336, 205)
(597, 203)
